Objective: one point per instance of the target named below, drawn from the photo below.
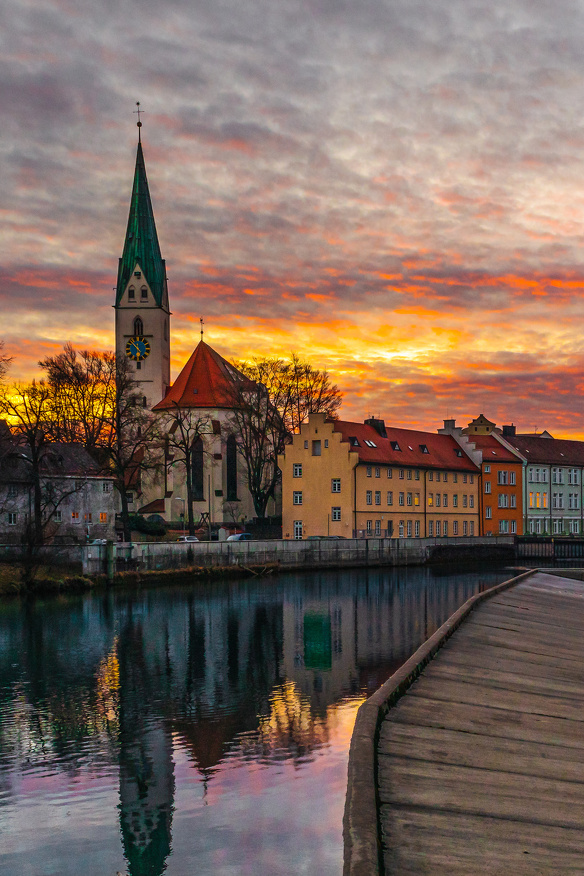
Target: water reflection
(143, 694)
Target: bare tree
(4, 362)
(184, 430)
(271, 401)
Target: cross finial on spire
(139, 124)
(201, 321)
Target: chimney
(449, 425)
(378, 425)
(509, 431)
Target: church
(204, 387)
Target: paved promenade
(481, 762)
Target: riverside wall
(290, 555)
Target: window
(438, 529)
(464, 500)
(424, 448)
(417, 474)
(409, 529)
(297, 470)
(430, 475)
(573, 476)
(401, 498)
(430, 499)
(487, 469)
(487, 486)
(336, 485)
(401, 474)
(445, 528)
(389, 473)
(531, 499)
(378, 497)
(455, 527)
(471, 501)
(503, 526)
(297, 497)
(471, 479)
(131, 294)
(465, 528)
(377, 471)
(390, 497)
(431, 528)
(369, 471)
(409, 474)
(557, 475)
(74, 516)
(298, 529)
(378, 527)
(464, 479)
(416, 498)
(102, 517)
(335, 513)
(138, 327)
(231, 468)
(503, 500)
(130, 498)
(409, 499)
(306, 445)
(57, 517)
(326, 443)
(106, 487)
(12, 491)
(455, 500)
(445, 477)
(513, 501)
(512, 478)
(575, 526)
(88, 518)
(455, 477)
(12, 518)
(488, 512)
(417, 529)
(573, 500)
(394, 445)
(445, 500)
(369, 527)
(438, 500)
(198, 470)
(544, 500)
(316, 448)
(143, 293)
(369, 497)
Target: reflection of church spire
(146, 767)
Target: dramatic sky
(392, 188)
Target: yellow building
(360, 480)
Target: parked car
(240, 536)
(189, 538)
(99, 541)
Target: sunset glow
(394, 191)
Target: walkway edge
(362, 843)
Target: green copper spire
(141, 245)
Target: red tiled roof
(206, 381)
(549, 451)
(442, 452)
(493, 450)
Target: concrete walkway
(481, 762)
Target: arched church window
(231, 460)
(131, 294)
(138, 327)
(143, 293)
(144, 401)
(197, 473)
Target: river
(202, 729)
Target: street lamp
(180, 499)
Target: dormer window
(370, 443)
(138, 327)
(131, 294)
(353, 441)
(424, 448)
(395, 445)
(144, 293)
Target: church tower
(142, 311)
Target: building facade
(361, 480)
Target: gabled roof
(141, 245)
(548, 451)
(404, 447)
(206, 381)
(57, 460)
(493, 450)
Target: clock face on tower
(137, 349)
